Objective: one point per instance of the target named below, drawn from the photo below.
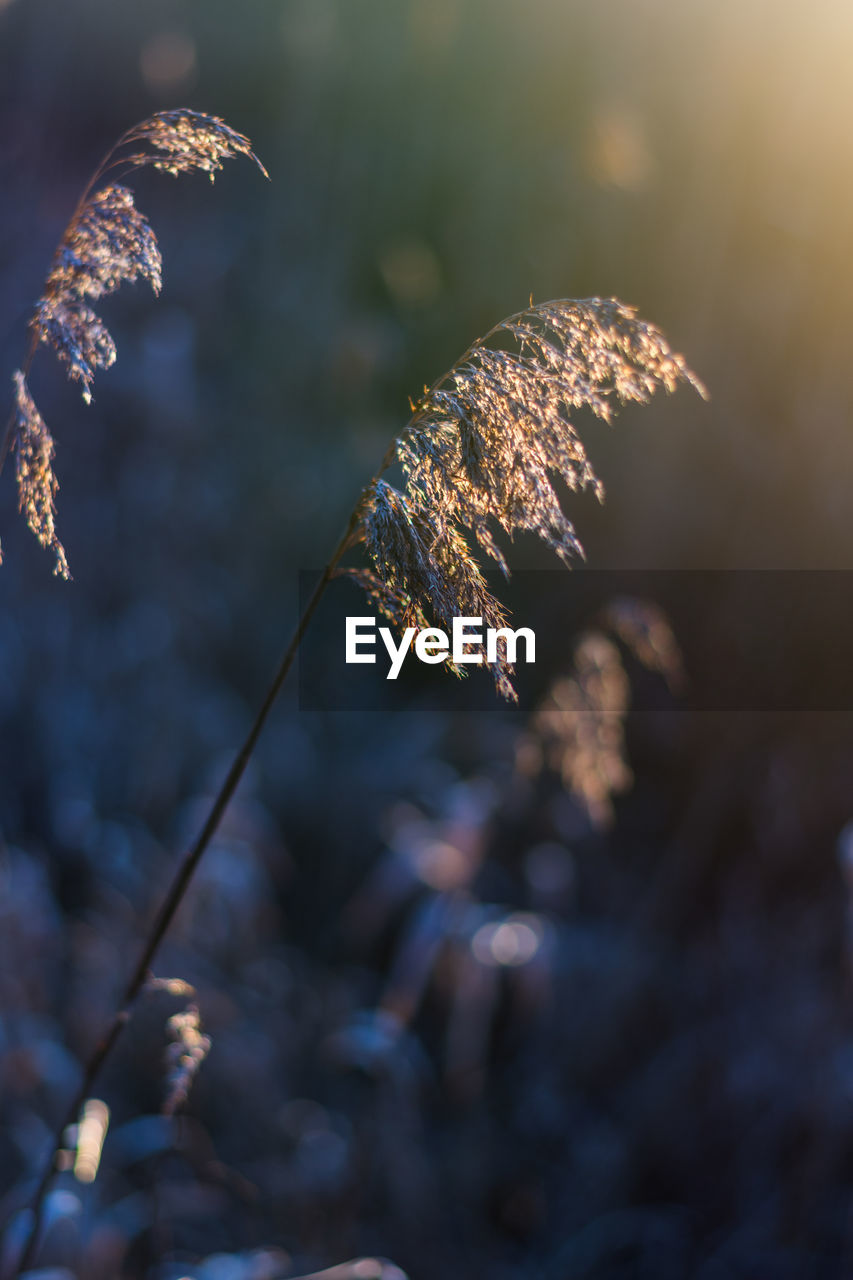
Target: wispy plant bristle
(424, 574)
(107, 243)
(486, 443)
(578, 730)
(186, 1052)
(645, 630)
(182, 141)
(37, 483)
(581, 726)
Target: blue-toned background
(662, 1086)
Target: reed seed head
(187, 1050)
(581, 724)
(182, 141)
(37, 483)
(107, 243)
(485, 445)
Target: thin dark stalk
(187, 868)
(172, 901)
(659, 367)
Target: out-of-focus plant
(107, 242)
(478, 955)
(579, 727)
(480, 454)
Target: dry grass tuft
(578, 730)
(37, 483)
(107, 242)
(484, 447)
(186, 1052)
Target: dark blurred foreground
(454, 1022)
(465, 1029)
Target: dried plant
(451, 950)
(106, 243)
(188, 1046)
(578, 730)
(187, 1051)
(468, 954)
(645, 630)
(480, 453)
(581, 724)
(484, 447)
(37, 483)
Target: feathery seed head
(486, 442)
(184, 140)
(581, 726)
(107, 242)
(645, 630)
(37, 484)
(424, 574)
(79, 338)
(187, 1051)
(578, 729)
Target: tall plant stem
(186, 870)
(174, 897)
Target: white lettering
(353, 640)
(431, 645)
(397, 655)
(462, 638)
(493, 635)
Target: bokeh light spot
(511, 942)
(168, 61)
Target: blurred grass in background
(434, 163)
